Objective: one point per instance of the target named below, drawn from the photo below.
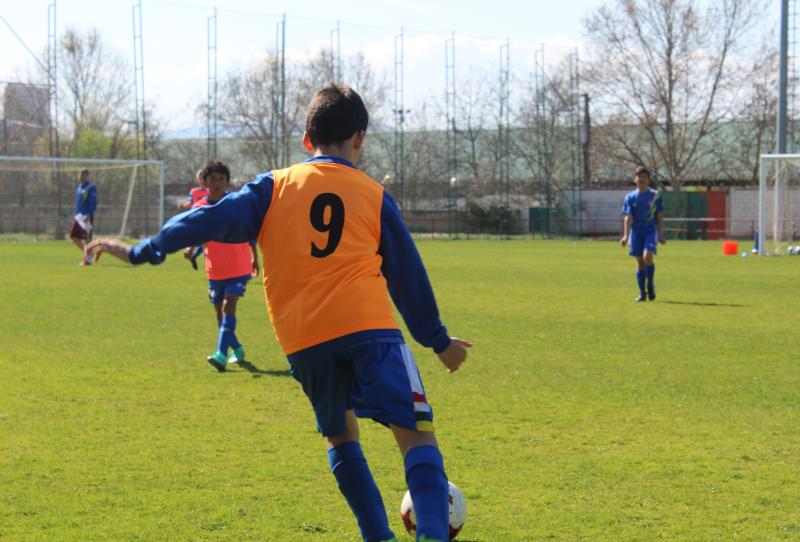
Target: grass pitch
(580, 414)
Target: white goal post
(778, 202)
(37, 195)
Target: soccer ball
(458, 511)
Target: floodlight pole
(586, 140)
(139, 102)
(161, 196)
(450, 112)
(211, 110)
(504, 122)
(783, 79)
(336, 55)
(399, 119)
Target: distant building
(26, 116)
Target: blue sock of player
(427, 483)
(641, 274)
(227, 333)
(651, 272)
(355, 481)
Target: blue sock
(227, 333)
(640, 278)
(427, 483)
(651, 272)
(355, 481)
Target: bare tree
(753, 130)
(663, 74)
(476, 117)
(97, 85)
(249, 99)
(248, 103)
(545, 141)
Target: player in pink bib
(229, 266)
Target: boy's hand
(662, 240)
(455, 354)
(113, 247)
(624, 240)
(255, 269)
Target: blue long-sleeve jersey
(86, 198)
(239, 216)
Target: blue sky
(175, 44)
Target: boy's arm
(255, 258)
(411, 290)
(660, 228)
(236, 218)
(626, 228)
(626, 221)
(92, 204)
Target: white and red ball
(458, 511)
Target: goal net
(37, 195)
(778, 202)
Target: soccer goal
(37, 195)
(778, 202)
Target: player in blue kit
(336, 254)
(85, 206)
(642, 230)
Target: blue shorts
(377, 380)
(218, 288)
(642, 240)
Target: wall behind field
(743, 205)
(601, 217)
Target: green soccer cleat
(217, 360)
(237, 355)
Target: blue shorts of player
(641, 240)
(218, 288)
(376, 377)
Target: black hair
(335, 114)
(215, 167)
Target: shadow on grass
(698, 304)
(256, 372)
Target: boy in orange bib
(336, 254)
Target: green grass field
(580, 414)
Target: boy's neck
(349, 154)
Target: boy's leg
(650, 246)
(218, 311)
(350, 468)
(233, 292)
(389, 389)
(227, 327)
(216, 296)
(636, 249)
(327, 380)
(427, 482)
(80, 238)
(641, 276)
(650, 272)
